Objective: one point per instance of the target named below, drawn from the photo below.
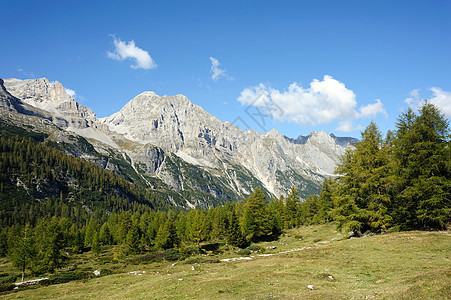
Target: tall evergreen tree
(105, 237)
(166, 237)
(275, 210)
(325, 203)
(361, 201)
(21, 248)
(291, 211)
(95, 248)
(255, 217)
(50, 241)
(234, 235)
(423, 169)
(133, 240)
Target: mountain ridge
(150, 129)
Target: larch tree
(423, 155)
(256, 221)
(361, 201)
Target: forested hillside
(38, 180)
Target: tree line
(45, 247)
(40, 181)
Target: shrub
(171, 254)
(201, 260)
(152, 257)
(253, 248)
(189, 251)
(8, 279)
(5, 287)
(244, 252)
(66, 277)
(105, 272)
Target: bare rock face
(177, 125)
(7, 101)
(51, 97)
(185, 147)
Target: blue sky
(296, 66)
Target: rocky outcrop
(7, 101)
(178, 142)
(51, 97)
(176, 125)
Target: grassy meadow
(400, 265)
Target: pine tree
(91, 229)
(255, 216)
(234, 235)
(166, 237)
(310, 209)
(325, 203)
(362, 201)
(105, 237)
(21, 249)
(275, 210)
(291, 211)
(49, 242)
(423, 169)
(95, 248)
(3, 242)
(133, 240)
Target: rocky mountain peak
(52, 98)
(37, 91)
(176, 140)
(321, 137)
(7, 101)
(274, 134)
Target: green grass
(405, 265)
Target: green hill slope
(38, 180)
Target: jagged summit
(171, 139)
(344, 141)
(52, 98)
(7, 101)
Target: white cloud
(414, 99)
(216, 71)
(70, 92)
(440, 98)
(371, 110)
(323, 102)
(443, 100)
(347, 126)
(125, 50)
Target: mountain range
(169, 144)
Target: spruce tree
(95, 248)
(21, 248)
(166, 237)
(275, 210)
(133, 240)
(325, 203)
(362, 201)
(105, 237)
(291, 211)
(423, 169)
(255, 217)
(234, 235)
